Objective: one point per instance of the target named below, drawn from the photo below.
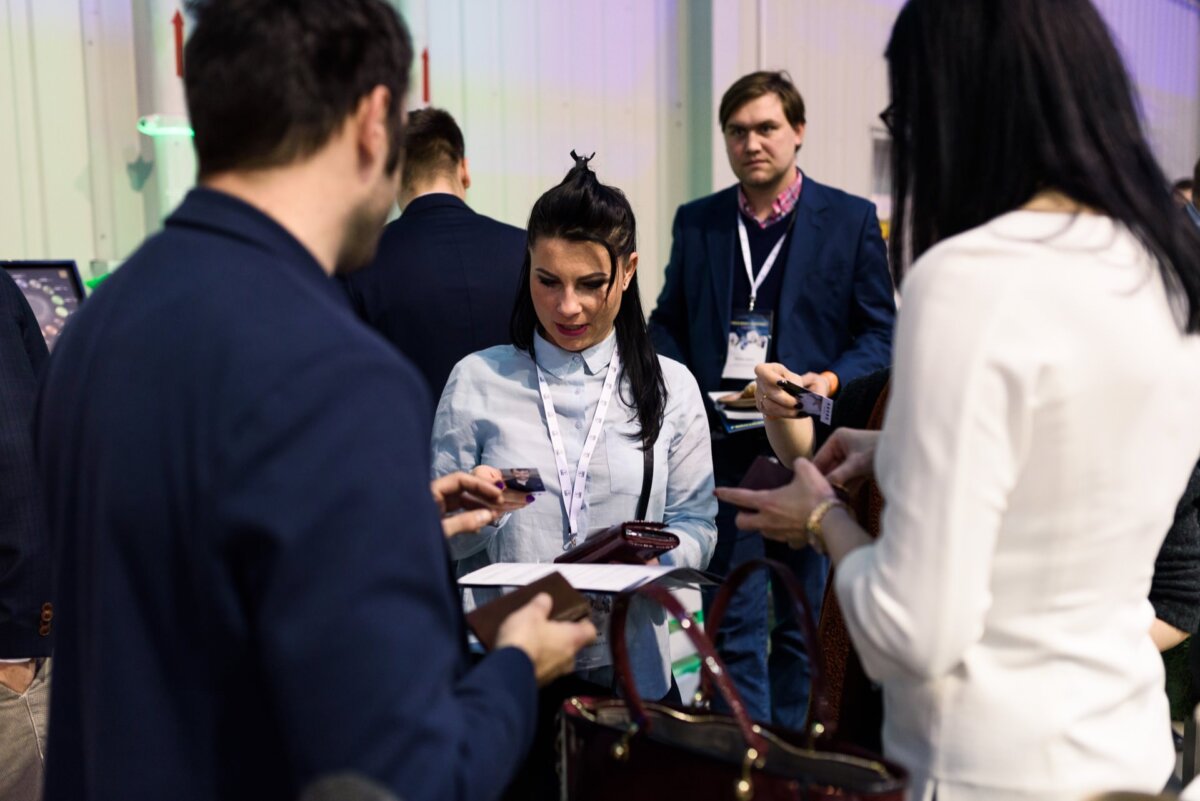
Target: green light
(92, 283)
(155, 126)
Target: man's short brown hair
(433, 144)
(755, 85)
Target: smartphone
(523, 480)
(809, 402)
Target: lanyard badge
(598, 653)
(750, 330)
(572, 490)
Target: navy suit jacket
(25, 610)
(836, 304)
(442, 284)
(253, 586)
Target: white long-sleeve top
(1044, 417)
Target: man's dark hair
(1019, 96)
(755, 85)
(433, 144)
(581, 209)
(269, 82)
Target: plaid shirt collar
(780, 208)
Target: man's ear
(371, 124)
(799, 131)
(464, 173)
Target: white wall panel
(45, 102)
(1160, 41)
(67, 133)
(120, 158)
(531, 80)
(21, 207)
(833, 50)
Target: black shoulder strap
(647, 482)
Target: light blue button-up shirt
(491, 413)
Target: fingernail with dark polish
(529, 498)
(500, 484)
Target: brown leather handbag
(632, 750)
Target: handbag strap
(711, 664)
(820, 723)
(647, 481)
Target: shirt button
(578, 426)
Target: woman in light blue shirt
(583, 379)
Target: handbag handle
(647, 481)
(710, 663)
(820, 723)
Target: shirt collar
(782, 206)
(559, 362)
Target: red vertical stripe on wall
(425, 74)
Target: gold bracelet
(813, 526)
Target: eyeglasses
(888, 118)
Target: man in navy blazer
(253, 585)
(819, 285)
(26, 613)
(444, 279)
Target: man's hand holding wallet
(548, 620)
(637, 542)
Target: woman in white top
(1042, 420)
(579, 395)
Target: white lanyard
(572, 491)
(755, 283)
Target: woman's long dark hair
(996, 100)
(581, 209)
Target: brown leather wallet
(766, 472)
(569, 605)
(632, 543)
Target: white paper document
(586, 578)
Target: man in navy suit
(26, 612)
(444, 279)
(253, 585)
(802, 267)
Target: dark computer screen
(53, 289)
